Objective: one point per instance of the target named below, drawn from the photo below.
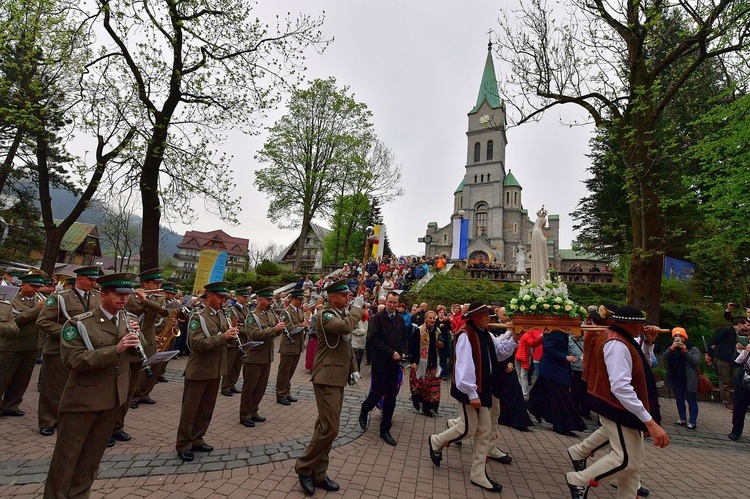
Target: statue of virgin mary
(539, 258)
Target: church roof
(488, 88)
(460, 187)
(510, 181)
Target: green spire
(488, 88)
(510, 181)
(460, 187)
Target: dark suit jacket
(385, 336)
(724, 342)
(554, 366)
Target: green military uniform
(58, 309)
(261, 326)
(18, 352)
(290, 352)
(334, 363)
(95, 388)
(153, 310)
(206, 364)
(234, 362)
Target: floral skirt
(427, 387)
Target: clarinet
(125, 316)
(231, 320)
(286, 331)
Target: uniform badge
(50, 301)
(328, 316)
(250, 321)
(193, 325)
(70, 332)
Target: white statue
(539, 257)
(318, 260)
(521, 259)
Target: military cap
(34, 279)
(169, 287)
(265, 293)
(151, 275)
(339, 286)
(121, 282)
(242, 292)
(93, 271)
(16, 272)
(297, 293)
(219, 287)
(70, 280)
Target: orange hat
(680, 331)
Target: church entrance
(478, 257)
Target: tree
(118, 230)
(602, 57)
(310, 151)
(257, 253)
(195, 68)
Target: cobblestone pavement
(259, 462)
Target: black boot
(415, 401)
(427, 409)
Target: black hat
(121, 283)
(477, 307)
(220, 288)
(629, 314)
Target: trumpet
(40, 296)
(232, 321)
(286, 331)
(149, 291)
(125, 316)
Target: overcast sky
(418, 65)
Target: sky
(418, 66)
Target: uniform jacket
(8, 326)
(208, 347)
(26, 312)
(292, 319)
(151, 311)
(334, 358)
(57, 310)
(99, 376)
(261, 326)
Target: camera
(678, 339)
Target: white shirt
(619, 368)
(464, 375)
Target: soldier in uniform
(238, 311)
(293, 317)
(57, 310)
(97, 348)
(334, 367)
(8, 326)
(208, 334)
(173, 306)
(262, 325)
(18, 352)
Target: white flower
(546, 306)
(526, 297)
(513, 306)
(522, 308)
(558, 300)
(540, 299)
(568, 308)
(556, 307)
(533, 307)
(514, 301)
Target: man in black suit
(386, 340)
(721, 349)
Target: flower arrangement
(549, 298)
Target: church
(489, 196)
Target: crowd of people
(99, 325)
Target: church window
(489, 150)
(515, 198)
(507, 199)
(488, 177)
(475, 179)
(477, 152)
(515, 228)
(480, 219)
(445, 238)
(482, 177)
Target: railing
(183, 257)
(587, 277)
(511, 276)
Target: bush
(267, 268)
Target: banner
(464, 246)
(211, 266)
(377, 248)
(678, 269)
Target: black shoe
(435, 457)
(364, 420)
(258, 419)
(494, 486)
(162, 379)
(234, 389)
(328, 484)
(48, 431)
(134, 404)
(566, 433)
(428, 413)
(415, 402)
(291, 399)
(121, 436)
(202, 448)
(386, 435)
(525, 429)
(227, 393)
(147, 400)
(506, 459)
(578, 464)
(576, 491)
(283, 402)
(13, 412)
(248, 422)
(643, 492)
(306, 481)
(111, 442)
(732, 436)
(186, 455)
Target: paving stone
(212, 466)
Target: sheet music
(296, 330)
(160, 357)
(8, 292)
(251, 343)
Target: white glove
(358, 302)
(354, 378)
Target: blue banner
(464, 245)
(220, 265)
(678, 269)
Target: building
(489, 195)
(313, 244)
(79, 246)
(193, 242)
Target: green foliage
(24, 232)
(267, 268)
(346, 240)
(287, 277)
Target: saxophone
(170, 331)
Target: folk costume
(425, 379)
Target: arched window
(489, 150)
(445, 238)
(482, 177)
(475, 179)
(515, 198)
(480, 219)
(488, 177)
(477, 152)
(507, 198)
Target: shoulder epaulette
(61, 292)
(82, 316)
(6, 302)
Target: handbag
(704, 384)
